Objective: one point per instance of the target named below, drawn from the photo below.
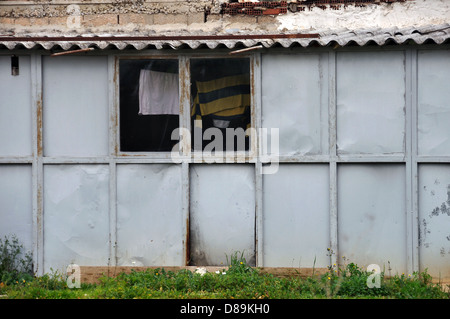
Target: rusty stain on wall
(39, 126)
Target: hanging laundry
(158, 93)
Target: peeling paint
(444, 208)
(399, 14)
(434, 213)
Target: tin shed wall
(362, 169)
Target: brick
(197, 17)
(5, 20)
(213, 17)
(274, 11)
(135, 18)
(22, 21)
(163, 18)
(97, 20)
(60, 21)
(39, 21)
(242, 19)
(267, 20)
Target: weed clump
(238, 280)
(16, 265)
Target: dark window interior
(210, 70)
(150, 133)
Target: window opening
(220, 104)
(149, 104)
(220, 100)
(14, 65)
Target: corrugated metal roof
(380, 36)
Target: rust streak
(187, 243)
(115, 115)
(39, 126)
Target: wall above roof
(182, 17)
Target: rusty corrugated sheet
(380, 36)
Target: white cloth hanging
(158, 93)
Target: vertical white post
(113, 96)
(37, 171)
(334, 250)
(255, 151)
(185, 148)
(412, 239)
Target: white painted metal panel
(76, 218)
(372, 215)
(15, 108)
(294, 99)
(75, 103)
(222, 213)
(296, 216)
(433, 102)
(434, 219)
(16, 213)
(150, 223)
(370, 102)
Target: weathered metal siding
(222, 213)
(372, 215)
(149, 220)
(75, 124)
(16, 203)
(16, 150)
(433, 106)
(296, 216)
(294, 95)
(75, 103)
(433, 103)
(370, 102)
(15, 115)
(76, 215)
(363, 168)
(434, 217)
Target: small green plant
(15, 264)
(238, 264)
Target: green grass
(239, 281)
